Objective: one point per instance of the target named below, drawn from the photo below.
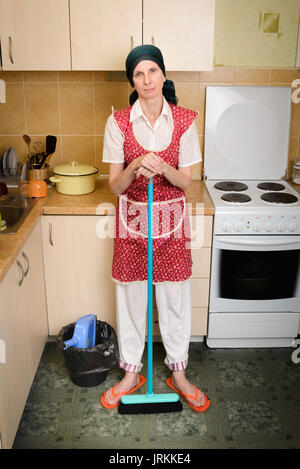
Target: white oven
(255, 268)
(255, 291)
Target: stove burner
(279, 197)
(231, 186)
(234, 197)
(270, 186)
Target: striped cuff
(130, 368)
(179, 366)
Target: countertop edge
(17, 241)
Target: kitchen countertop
(99, 202)
(102, 201)
(11, 244)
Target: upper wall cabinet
(35, 34)
(102, 32)
(183, 30)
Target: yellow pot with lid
(74, 178)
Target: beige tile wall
(74, 106)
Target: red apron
(172, 260)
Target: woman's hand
(149, 165)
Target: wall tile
(295, 119)
(11, 77)
(12, 113)
(14, 141)
(218, 75)
(106, 96)
(42, 110)
(77, 108)
(78, 148)
(189, 97)
(251, 76)
(184, 77)
(103, 167)
(283, 75)
(110, 76)
(40, 77)
(75, 76)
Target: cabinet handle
(22, 270)
(27, 260)
(50, 234)
(152, 40)
(131, 43)
(10, 49)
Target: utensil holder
(38, 173)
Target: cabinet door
(102, 32)
(77, 270)
(184, 31)
(34, 286)
(15, 379)
(35, 34)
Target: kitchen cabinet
(77, 270)
(23, 330)
(35, 34)
(184, 31)
(102, 33)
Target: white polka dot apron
(171, 228)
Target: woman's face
(148, 79)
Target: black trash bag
(88, 366)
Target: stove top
(249, 195)
(256, 207)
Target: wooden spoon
(27, 140)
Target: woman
(153, 138)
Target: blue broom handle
(150, 277)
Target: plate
(12, 161)
(5, 162)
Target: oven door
(255, 274)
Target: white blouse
(155, 138)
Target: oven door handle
(260, 242)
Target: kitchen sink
(14, 209)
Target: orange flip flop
(201, 408)
(108, 406)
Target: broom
(150, 403)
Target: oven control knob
(269, 227)
(280, 226)
(292, 226)
(238, 227)
(226, 226)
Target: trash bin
(88, 366)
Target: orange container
(37, 188)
